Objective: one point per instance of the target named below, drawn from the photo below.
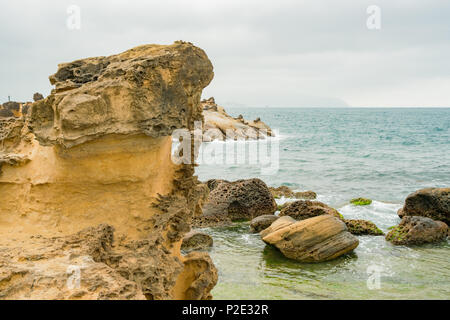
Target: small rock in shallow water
(262, 222)
(361, 201)
(362, 227)
(417, 230)
(195, 240)
(305, 195)
(304, 209)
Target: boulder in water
(304, 209)
(433, 203)
(262, 222)
(195, 240)
(362, 227)
(238, 200)
(417, 230)
(315, 239)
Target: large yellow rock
(97, 152)
(311, 240)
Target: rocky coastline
(88, 186)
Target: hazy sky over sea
(265, 53)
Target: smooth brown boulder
(432, 203)
(262, 222)
(315, 239)
(195, 240)
(304, 209)
(417, 230)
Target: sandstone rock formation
(304, 209)
(315, 239)
(284, 191)
(238, 200)
(262, 222)
(362, 227)
(195, 240)
(219, 125)
(433, 203)
(92, 186)
(414, 230)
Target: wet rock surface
(304, 209)
(433, 203)
(317, 239)
(262, 222)
(417, 230)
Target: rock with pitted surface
(88, 184)
(415, 230)
(37, 96)
(219, 125)
(315, 239)
(262, 222)
(304, 209)
(238, 200)
(284, 191)
(433, 203)
(362, 227)
(195, 240)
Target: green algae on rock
(361, 201)
(362, 227)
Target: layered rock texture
(315, 239)
(234, 201)
(88, 187)
(417, 230)
(433, 203)
(219, 125)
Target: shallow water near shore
(382, 154)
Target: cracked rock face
(87, 181)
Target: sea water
(377, 153)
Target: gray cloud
(265, 53)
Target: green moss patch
(361, 201)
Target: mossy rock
(361, 201)
(363, 227)
(397, 235)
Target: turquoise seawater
(382, 154)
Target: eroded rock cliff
(89, 192)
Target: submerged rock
(195, 240)
(433, 203)
(315, 239)
(304, 209)
(362, 227)
(99, 151)
(218, 125)
(237, 201)
(361, 201)
(417, 230)
(262, 222)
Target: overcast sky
(265, 53)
